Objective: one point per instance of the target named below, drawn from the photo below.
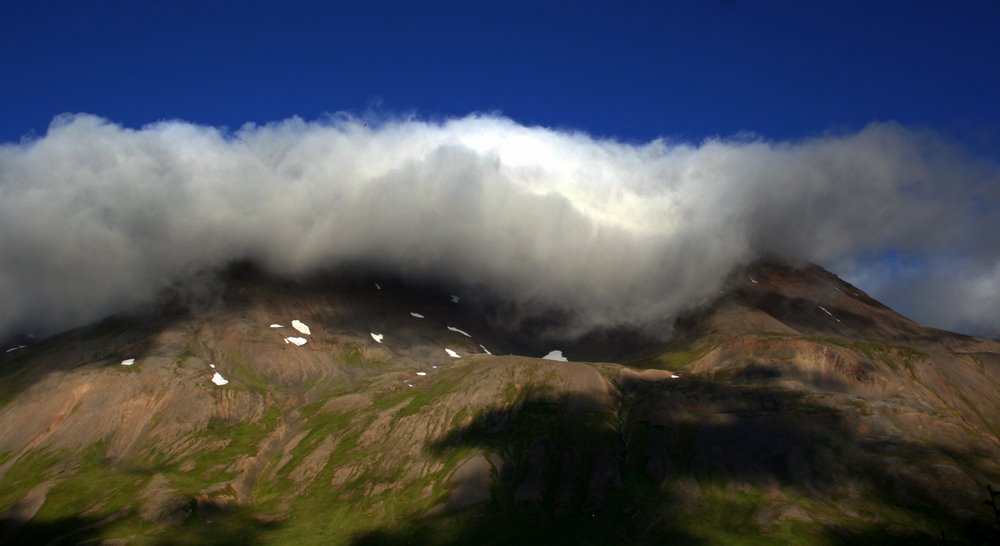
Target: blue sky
(875, 147)
(634, 71)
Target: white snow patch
(12, 349)
(128, 362)
(300, 326)
(454, 298)
(838, 290)
(218, 379)
(421, 373)
(753, 280)
(378, 287)
(435, 367)
(674, 376)
(277, 326)
(555, 355)
(453, 329)
(416, 315)
(211, 366)
(300, 341)
(377, 337)
(409, 385)
(452, 354)
(485, 349)
(828, 313)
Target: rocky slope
(793, 409)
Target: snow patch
(454, 298)
(211, 366)
(828, 313)
(377, 337)
(300, 341)
(555, 355)
(378, 286)
(453, 329)
(421, 373)
(300, 326)
(674, 376)
(219, 380)
(277, 326)
(838, 290)
(128, 362)
(753, 280)
(452, 354)
(12, 349)
(416, 315)
(485, 349)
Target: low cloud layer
(96, 218)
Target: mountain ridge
(793, 408)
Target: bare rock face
(160, 503)
(794, 407)
(23, 510)
(471, 480)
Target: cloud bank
(96, 218)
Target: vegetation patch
(892, 356)
(674, 358)
(30, 470)
(247, 376)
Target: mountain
(792, 409)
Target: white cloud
(95, 218)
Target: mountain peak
(408, 414)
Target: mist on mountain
(97, 218)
